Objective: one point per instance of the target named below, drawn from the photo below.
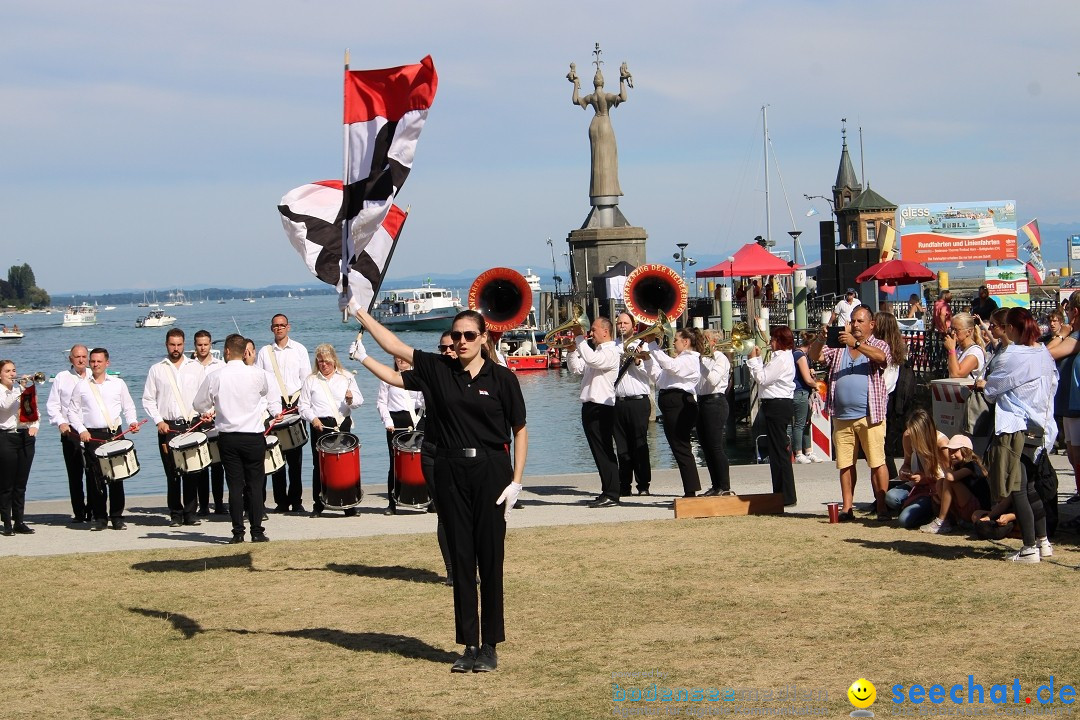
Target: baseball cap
(960, 441)
(849, 291)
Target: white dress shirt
(676, 373)
(635, 381)
(159, 396)
(775, 380)
(59, 402)
(314, 402)
(292, 361)
(395, 399)
(597, 368)
(715, 374)
(1022, 384)
(239, 394)
(86, 411)
(9, 409)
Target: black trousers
(427, 466)
(711, 424)
(680, 415)
(329, 426)
(778, 413)
(402, 421)
(287, 496)
(73, 462)
(598, 422)
(242, 455)
(182, 489)
(98, 489)
(632, 442)
(467, 489)
(215, 477)
(16, 457)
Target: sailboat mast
(765, 138)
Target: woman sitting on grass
(925, 460)
(963, 491)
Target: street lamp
(683, 259)
(795, 239)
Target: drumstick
(280, 416)
(118, 435)
(189, 430)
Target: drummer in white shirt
(289, 363)
(399, 409)
(97, 405)
(167, 398)
(327, 397)
(215, 479)
(59, 409)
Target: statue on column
(605, 155)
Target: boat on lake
(422, 308)
(155, 318)
(80, 315)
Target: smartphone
(832, 337)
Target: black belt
(468, 452)
(630, 397)
(674, 390)
(711, 396)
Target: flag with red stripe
(1029, 234)
(312, 217)
(385, 111)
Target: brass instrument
(741, 342)
(578, 324)
(502, 296)
(662, 331)
(654, 295)
(28, 380)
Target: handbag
(978, 413)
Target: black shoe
(175, 523)
(265, 516)
(193, 521)
(712, 492)
(392, 510)
(467, 661)
(281, 509)
(449, 581)
(486, 660)
(1073, 500)
(6, 531)
(299, 509)
(203, 512)
(79, 520)
(99, 525)
(644, 491)
(119, 525)
(236, 539)
(848, 516)
(316, 513)
(23, 529)
(431, 507)
(350, 512)
(259, 537)
(221, 509)
(601, 502)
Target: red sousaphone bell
(502, 296)
(652, 289)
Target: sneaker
(1073, 500)
(936, 527)
(815, 458)
(1027, 554)
(1045, 548)
(802, 459)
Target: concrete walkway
(548, 500)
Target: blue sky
(147, 144)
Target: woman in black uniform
(479, 409)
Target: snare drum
(274, 460)
(190, 452)
(212, 445)
(117, 460)
(409, 485)
(339, 468)
(291, 432)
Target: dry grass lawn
(364, 628)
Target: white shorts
(1072, 430)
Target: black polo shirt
(471, 412)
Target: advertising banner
(1008, 284)
(960, 231)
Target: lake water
(556, 443)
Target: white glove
(509, 496)
(356, 350)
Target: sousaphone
(503, 297)
(655, 296)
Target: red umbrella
(896, 272)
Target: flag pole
(344, 269)
(389, 257)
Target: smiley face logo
(862, 693)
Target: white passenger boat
(80, 315)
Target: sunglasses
(992, 326)
(278, 327)
(444, 348)
(469, 335)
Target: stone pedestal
(594, 250)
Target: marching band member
(427, 465)
(269, 406)
(480, 410)
(59, 409)
(203, 343)
(713, 414)
(399, 410)
(598, 369)
(676, 379)
(96, 407)
(235, 397)
(17, 440)
(776, 385)
(289, 362)
(633, 407)
(326, 399)
(167, 396)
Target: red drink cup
(834, 512)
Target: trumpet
(578, 324)
(28, 380)
(662, 328)
(741, 342)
